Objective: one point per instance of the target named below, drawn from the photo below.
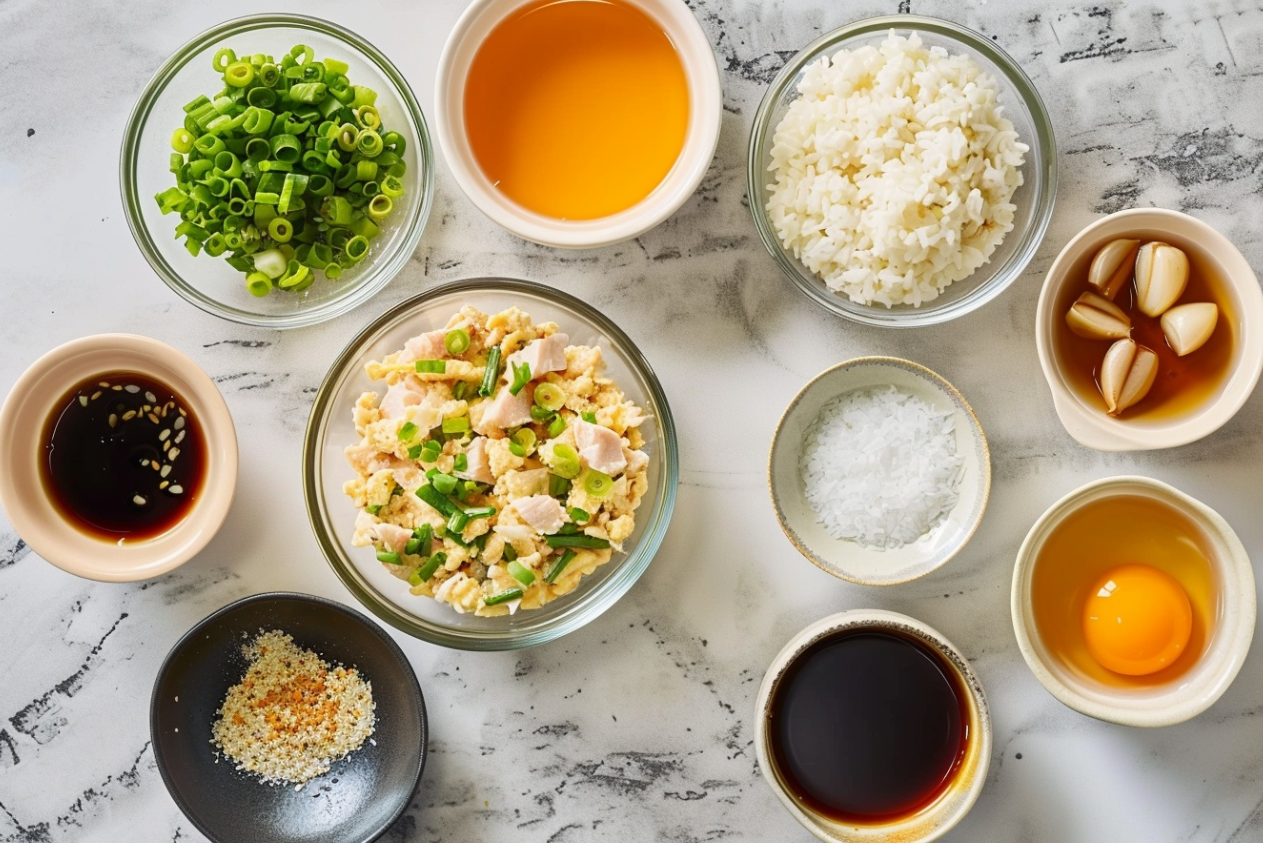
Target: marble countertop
(639, 726)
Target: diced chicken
(478, 465)
(428, 346)
(542, 355)
(382, 461)
(392, 536)
(360, 457)
(503, 411)
(542, 512)
(513, 532)
(636, 460)
(399, 397)
(600, 447)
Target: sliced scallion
(521, 573)
(491, 374)
(427, 570)
(431, 367)
(505, 596)
(556, 570)
(550, 396)
(597, 484)
(521, 377)
(407, 431)
(456, 341)
(579, 540)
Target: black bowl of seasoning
(873, 727)
(285, 717)
(120, 459)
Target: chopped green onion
(422, 536)
(373, 509)
(456, 341)
(414, 452)
(444, 483)
(407, 431)
(521, 377)
(556, 427)
(579, 516)
(435, 499)
(525, 438)
(258, 284)
(456, 523)
(503, 597)
(521, 573)
(431, 367)
(590, 418)
(558, 486)
(480, 511)
(539, 414)
(458, 391)
(597, 484)
(390, 557)
(460, 424)
(492, 373)
(516, 449)
(509, 553)
(460, 463)
(430, 451)
(559, 567)
(550, 396)
(580, 540)
(565, 461)
(431, 566)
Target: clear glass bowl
(1034, 199)
(330, 431)
(210, 283)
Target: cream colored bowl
(26, 503)
(1082, 418)
(850, 560)
(932, 821)
(701, 137)
(1193, 691)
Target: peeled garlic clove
(1096, 318)
(1161, 275)
(1127, 374)
(1188, 326)
(1112, 267)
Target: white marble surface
(639, 727)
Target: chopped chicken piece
(599, 447)
(478, 465)
(541, 512)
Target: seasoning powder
(880, 466)
(293, 714)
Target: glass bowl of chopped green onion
(277, 171)
(331, 429)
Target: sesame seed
(104, 384)
(164, 484)
(132, 388)
(166, 445)
(153, 418)
(179, 437)
(173, 453)
(96, 395)
(116, 388)
(138, 500)
(113, 420)
(162, 437)
(129, 415)
(179, 423)
(83, 400)
(151, 398)
(166, 469)
(177, 489)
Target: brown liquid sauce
(1106, 533)
(108, 464)
(1183, 383)
(868, 726)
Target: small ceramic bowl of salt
(879, 471)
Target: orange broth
(576, 109)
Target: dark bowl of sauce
(121, 460)
(873, 727)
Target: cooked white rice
(880, 466)
(893, 170)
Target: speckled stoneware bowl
(53, 535)
(849, 559)
(362, 794)
(935, 819)
(1083, 415)
(1194, 690)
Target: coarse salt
(880, 467)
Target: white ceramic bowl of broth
(1056, 654)
(68, 541)
(1218, 271)
(848, 559)
(705, 108)
(958, 795)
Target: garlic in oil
(1161, 276)
(1112, 267)
(1095, 318)
(1187, 327)
(1127, 374)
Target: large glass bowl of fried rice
(336, 501)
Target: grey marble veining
(638, 727)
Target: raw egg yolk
(1136, 620)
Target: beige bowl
(850, 560)
(701, 136)
(1193, 691)
(953, 804)
(22, 494)
(1083, 415)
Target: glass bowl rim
(1044, 202)
(385, 268)
(588, 604)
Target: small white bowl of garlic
(1149, 330)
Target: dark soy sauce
(868, 726)
(123, 456)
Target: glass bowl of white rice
(902, 170)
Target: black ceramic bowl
(358, 799)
